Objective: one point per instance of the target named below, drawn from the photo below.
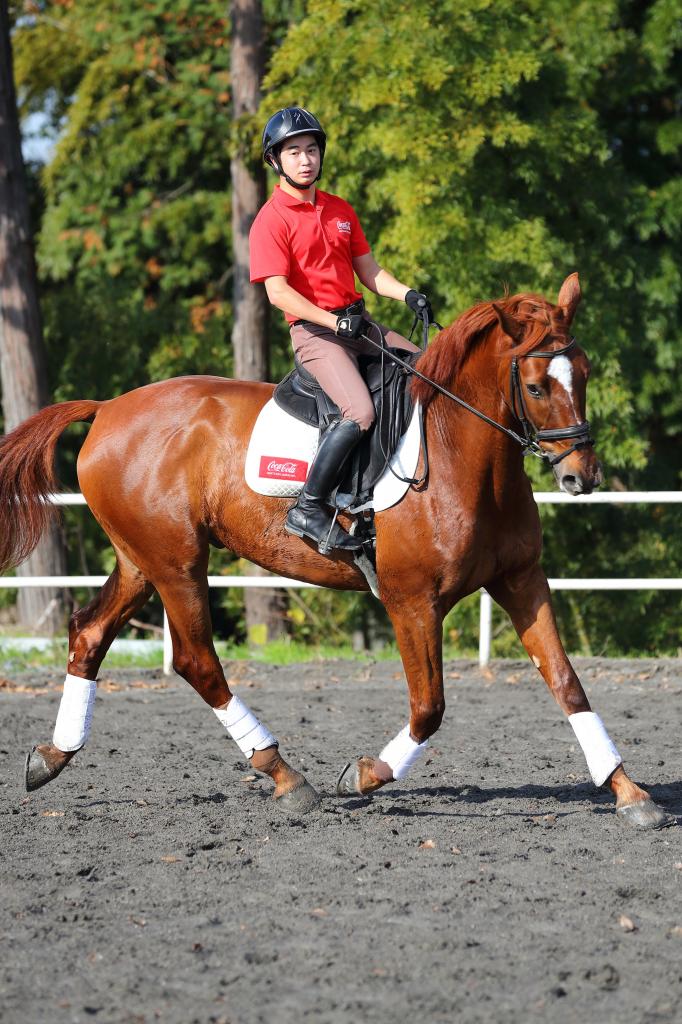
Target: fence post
(486, 628)
(167, 646)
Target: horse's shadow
(668, 795)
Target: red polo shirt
(313, 246)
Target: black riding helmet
(283, 125)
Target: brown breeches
(334, 364)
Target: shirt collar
(285, 199)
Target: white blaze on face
(560, 368)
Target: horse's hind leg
(185, 599)
(91, 632)
(525, 597)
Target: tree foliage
(483, 144)
(509, 143)
(134, 239)
(487, 144)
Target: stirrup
(325, 546)
(329, 540)
(338, 539)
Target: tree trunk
(23, 376)
(266, 617)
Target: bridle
(531, 438)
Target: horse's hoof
(300, 800)
(348, 782)
(644, 814)
(37, 772)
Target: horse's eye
(533, 390)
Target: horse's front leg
(418, 628)
(526, 598)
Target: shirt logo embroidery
(343, 225)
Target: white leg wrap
(402, 752)
(74, 717)
(244, 728)
(600, 753)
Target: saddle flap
(301, 396)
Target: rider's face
(300, 158)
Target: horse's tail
(27, 477)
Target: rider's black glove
(419, 304)
(350, 326)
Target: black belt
(355, 309)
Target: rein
(531, 438)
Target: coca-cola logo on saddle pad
(274, 468)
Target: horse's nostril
(571, 484)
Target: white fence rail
(485, 629)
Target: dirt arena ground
(155, 880)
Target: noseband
(532, 437)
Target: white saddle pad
(282, 448)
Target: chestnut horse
(162, 470)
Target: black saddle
(301, 396)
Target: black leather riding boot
(311, 516)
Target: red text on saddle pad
(274, 468)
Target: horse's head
(544, 374)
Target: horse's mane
(445, 357)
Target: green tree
(494, 152)
(135, 253)
(134, 243)
(482, 143)
(23, 372)
(491, 143)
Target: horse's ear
(509, 324)
(569, 297)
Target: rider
(306, 245)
